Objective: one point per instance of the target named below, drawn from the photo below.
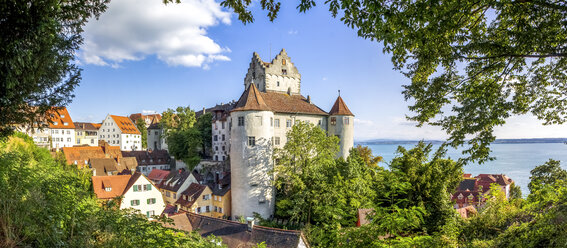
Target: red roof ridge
(340, 108)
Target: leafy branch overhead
(472, 64)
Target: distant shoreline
(497, 141)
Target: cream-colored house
(197, 198)
(137, 192)
(86, 134)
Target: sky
(142, 56)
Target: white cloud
(292, 32)
(130, 30)
(324, 78)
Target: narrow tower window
(333, 121)
(251, 141)
(283, 61)
(241, 121)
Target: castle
(258, 122)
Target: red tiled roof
(340, 108)
(251, 100)
(157, 175)
(97, 125)
(284, 103)
(59, 118)
(125, 124)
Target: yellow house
(176, 183)
(86, 133)
(222, 198)
(196, 199)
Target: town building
(197, 198)
(86, 134)
(137, 192)
(473, 191)
(177, 182)
(120, 131)
(268, 108)
(221, 131)
(235, 234)
(150, 160)
(61, 127)
(81, 155)
(222, 199)
(155, 138)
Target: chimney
(308, 98)
(250, 222)
(203, 110)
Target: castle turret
(341, 124)
(251, 156)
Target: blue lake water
(513, 160)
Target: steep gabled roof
(251, 99)
(191, 194)
(340, 108)
(174, 180)
(59, 118)
(125, 124)
(117, 184)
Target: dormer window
(54, 123)
(65, 124)
(62, 116)
(460, 196)
(108, 189)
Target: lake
(514, 160)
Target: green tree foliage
(471, 64)
(46, 203)
(315, 188)
(205, 128)
(184, 141)
(366, 154)
(546, 174)
(141, 125)
(37, 49)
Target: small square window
(333, 121)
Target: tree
(37, 53)
(472, 65)
(366, 154)
(204, 127)
(47, 203)
(141, 125)
(183, 139)
(547, 174)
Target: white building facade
(120, 131)
(143, 196)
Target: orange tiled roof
(83, 153)
(125, 124)
(117, 185)
(340, 108)
(251, 100)
(97, 125)
(59, 118)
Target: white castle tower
(251, 141)
(341, 124)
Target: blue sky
(144, 56)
